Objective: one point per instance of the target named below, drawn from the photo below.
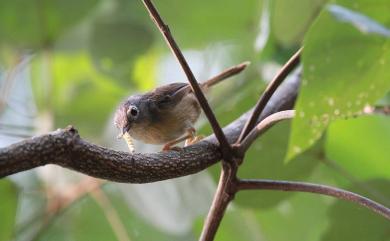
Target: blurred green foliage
(93, 217)
(8, 205)
(86, 56)
(35, 25)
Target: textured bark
(65, 148)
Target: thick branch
(221, 200)
(261, 184)
(67, 149)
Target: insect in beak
(124, 131)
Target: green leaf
(345, 69)
(348, 221)
(8, 205)
(35, 24)
(361, 146)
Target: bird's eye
(133, 111)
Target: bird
(165, 115)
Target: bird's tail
(224, 75)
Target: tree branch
(228, 177)
(164, 29)
(65, 148)
(222, 198)
(261, 184)
(268, 92)
(263, 126)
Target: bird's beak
(124, 131)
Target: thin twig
(269, 91)
(263, 126)
(164, 29)
(354, 180)
(261, 184)
(111, 214)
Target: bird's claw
(172, 148)
(193, 140)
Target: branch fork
(233, 156)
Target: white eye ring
(132, 111)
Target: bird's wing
(169, 95)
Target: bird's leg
(169, 146)
(193, 138)
(188, 137)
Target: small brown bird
(165, 115)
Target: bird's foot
(168, 147)
(193, 140)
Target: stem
(262, 184)
(269, 91)
(224, 194)
(111, 214)
(355, 181)
(263, 126)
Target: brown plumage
(159, 116)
